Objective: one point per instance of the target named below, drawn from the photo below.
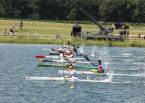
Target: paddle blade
(47, 60)
(53, 49)
(68, 43)
(86, 57)
(39, 56)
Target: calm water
(17, 61)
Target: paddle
(57, 51)
(87, 58)
(68, 43)
(75, 50)
(53, 49)
(74, 47)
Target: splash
(131, 75)
(81, 50)
(93, 51)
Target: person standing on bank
(21, 25)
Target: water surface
(17, 61)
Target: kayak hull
(66, 79)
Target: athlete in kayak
(72, 72)
(100, 67)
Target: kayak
(55, 57)
(85, 72)
(64, 61)
(67, 79)
(61, 65)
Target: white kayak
(83, 72)
(68, 79)
(55, 57)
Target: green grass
(76, 41)
(52, 28)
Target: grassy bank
(76, 41)
(44, 28)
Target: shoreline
(21, 39)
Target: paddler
(72, 72)
(100, 67)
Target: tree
(116, 10)
(139, 12)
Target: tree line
(101, 10)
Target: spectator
(12, 30)
(58, 37)
(139, 35)
(127, 33)
(5, 31)
(21, 25)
